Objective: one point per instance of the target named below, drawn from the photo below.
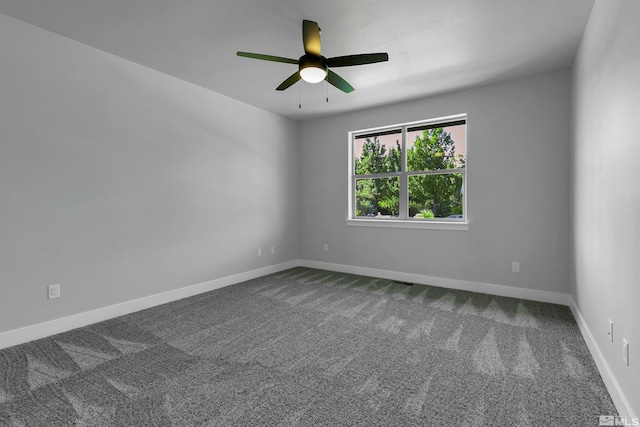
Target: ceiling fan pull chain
(299, 96)
(327, 86)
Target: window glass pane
(437, 148)
(378, 154)
(377, 197)
(436, 196)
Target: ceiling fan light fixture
(312, 69)
(313, 74)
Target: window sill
(399, 223)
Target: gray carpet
(310, 347)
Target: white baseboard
(616, 393)
(64, 324)
(463, 285)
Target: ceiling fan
(313, 67)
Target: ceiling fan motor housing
(318, 63)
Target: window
(409, 175)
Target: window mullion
(404, 180)
(352, 196)
(378, 175)
(436, 172)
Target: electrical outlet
(610, 330)
(515, 267)
(326, 248)
(273, 250)
(259, 252)
(625, 351)
(53, 291)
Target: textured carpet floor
(311, 347)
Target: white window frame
(403, 220)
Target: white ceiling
(433, 45)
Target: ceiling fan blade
(339, 82)
(293, 78)
(311, 37)
(362, 59)
(268, 57)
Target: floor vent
(403, 283)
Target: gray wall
(606, 179)
(119, 182)
(518, 189)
